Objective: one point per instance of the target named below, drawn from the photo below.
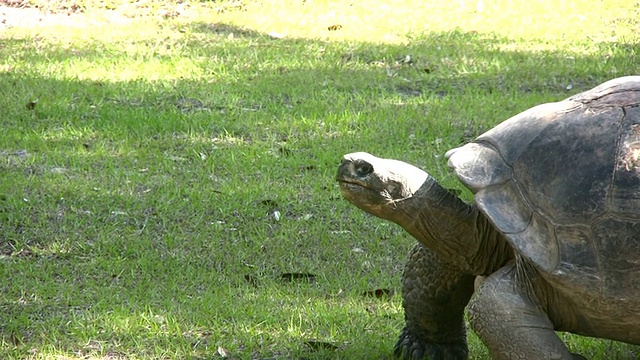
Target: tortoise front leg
(435, 294)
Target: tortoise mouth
(351, 184)
(352, 189)
(357, 193)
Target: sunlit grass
(146, 148)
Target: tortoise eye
(363, 169)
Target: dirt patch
(29, 17)
(11, 16)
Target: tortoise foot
(411, 347)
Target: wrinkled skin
(435, 294)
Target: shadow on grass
(159, 194)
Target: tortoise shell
(562, 182)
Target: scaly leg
(435, 294)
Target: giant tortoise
(554, 227)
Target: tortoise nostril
(363, 169)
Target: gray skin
(554, 227)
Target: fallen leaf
(222, 352)
(334, 27)
(379, 293)
(31, 105)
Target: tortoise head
(378, 186)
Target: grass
(164, 165)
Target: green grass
(146, 150)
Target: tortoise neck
(453, 229)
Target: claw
(409, 347)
